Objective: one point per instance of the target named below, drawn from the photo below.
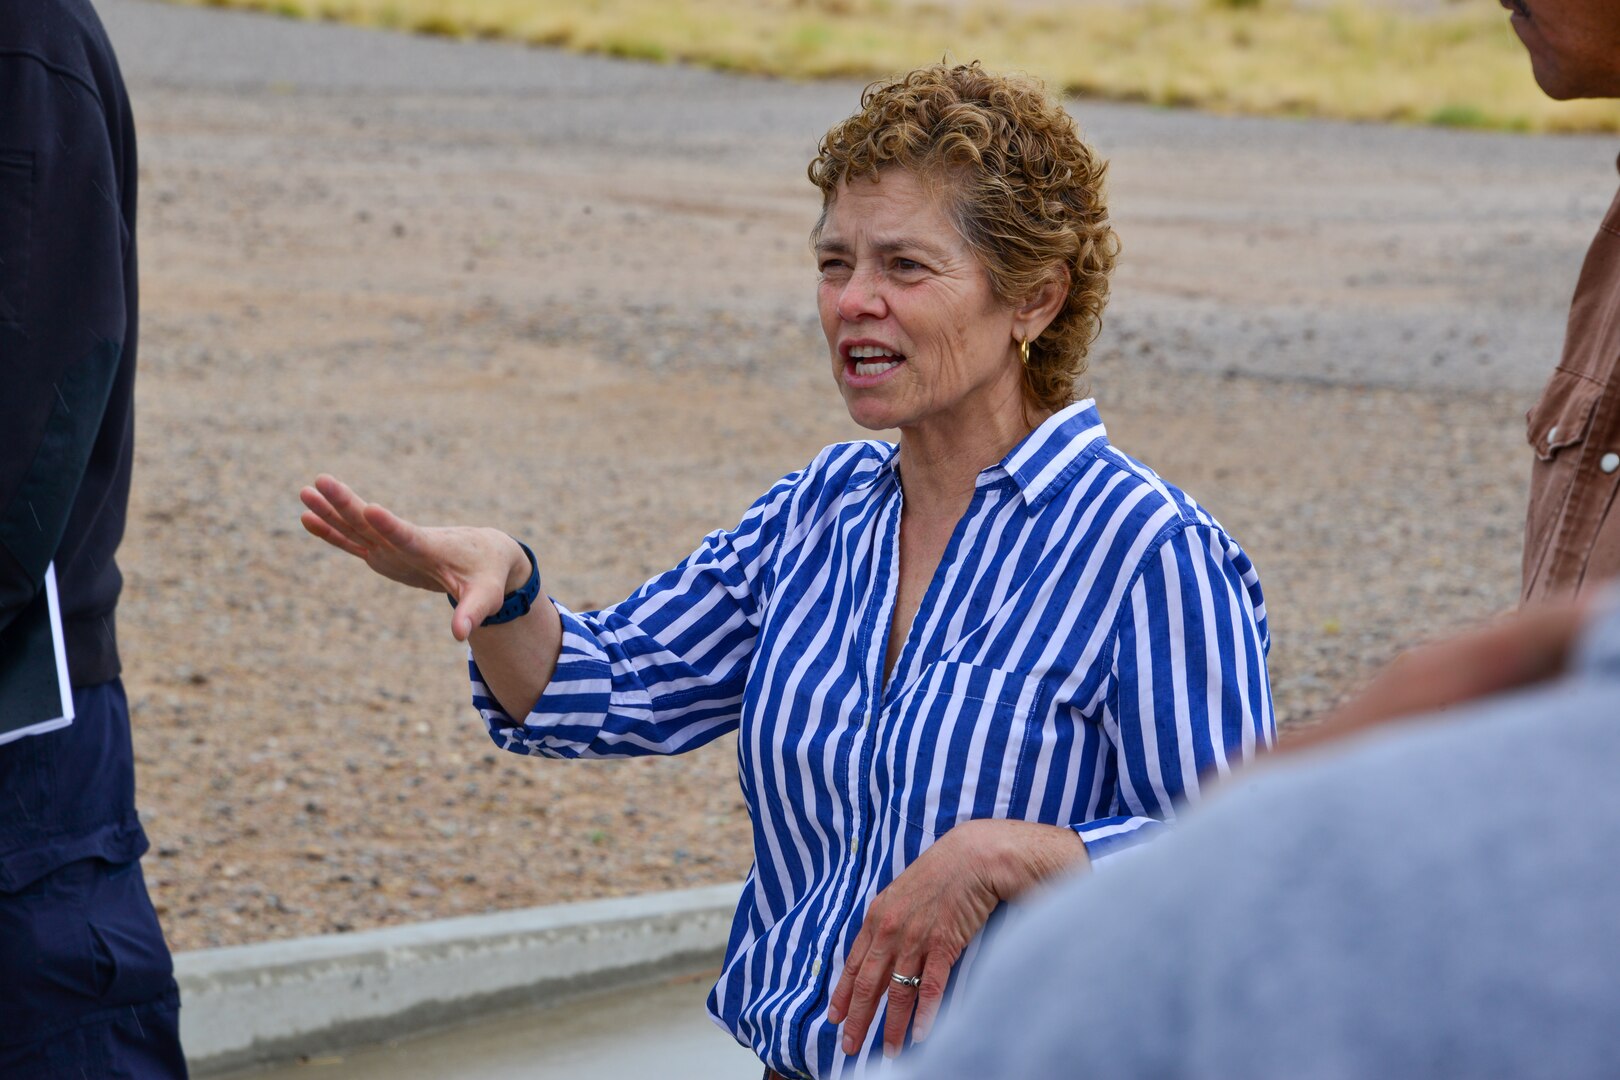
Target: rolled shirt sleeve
(662, 672)
(1189, 694)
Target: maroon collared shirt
(1572, 534)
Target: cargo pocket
(103, 962)
(130, 961)
(17, 210)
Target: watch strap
(518, 602)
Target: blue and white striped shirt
(1091, 643)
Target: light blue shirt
(1439, 899)
(1091, 643)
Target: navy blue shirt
(67, 320)
(67, 372)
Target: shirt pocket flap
(1563, 415)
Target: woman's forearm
(1021, 854)
(518, 658)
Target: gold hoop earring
(1023, 351)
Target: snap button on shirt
(1572, 532)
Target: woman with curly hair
(959, 665)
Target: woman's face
(918, 340)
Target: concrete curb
(256, 1004)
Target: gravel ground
(571, 298)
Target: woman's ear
(1037, 313)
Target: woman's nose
(861, 298)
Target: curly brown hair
(1022, 188)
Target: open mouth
(865, 362)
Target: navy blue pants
(86, 982)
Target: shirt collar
(1048, 458)
(888, 454)
(1041, 465)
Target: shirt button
(1609, 462)
(815, 967)
(1552, 434)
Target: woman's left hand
(923, 920)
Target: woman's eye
(908, 266)
(829, 266)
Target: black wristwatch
(517, 603)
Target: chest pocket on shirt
(17, 210)
(1563, 416)
(962, 742)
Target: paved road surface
(660, 1032)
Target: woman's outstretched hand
(477, 566)
(920, 924)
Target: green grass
(1459, 67)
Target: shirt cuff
(573, 703)
(1107, 838)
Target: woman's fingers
(916, 928)
(316, 503)
(389, 544)
(913, 1007)
(936, 972)
(473, 565)
(350, 508)
(392, 528)
(903, 1001)
(317, 527)
(867, 988)
(838, 1007)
